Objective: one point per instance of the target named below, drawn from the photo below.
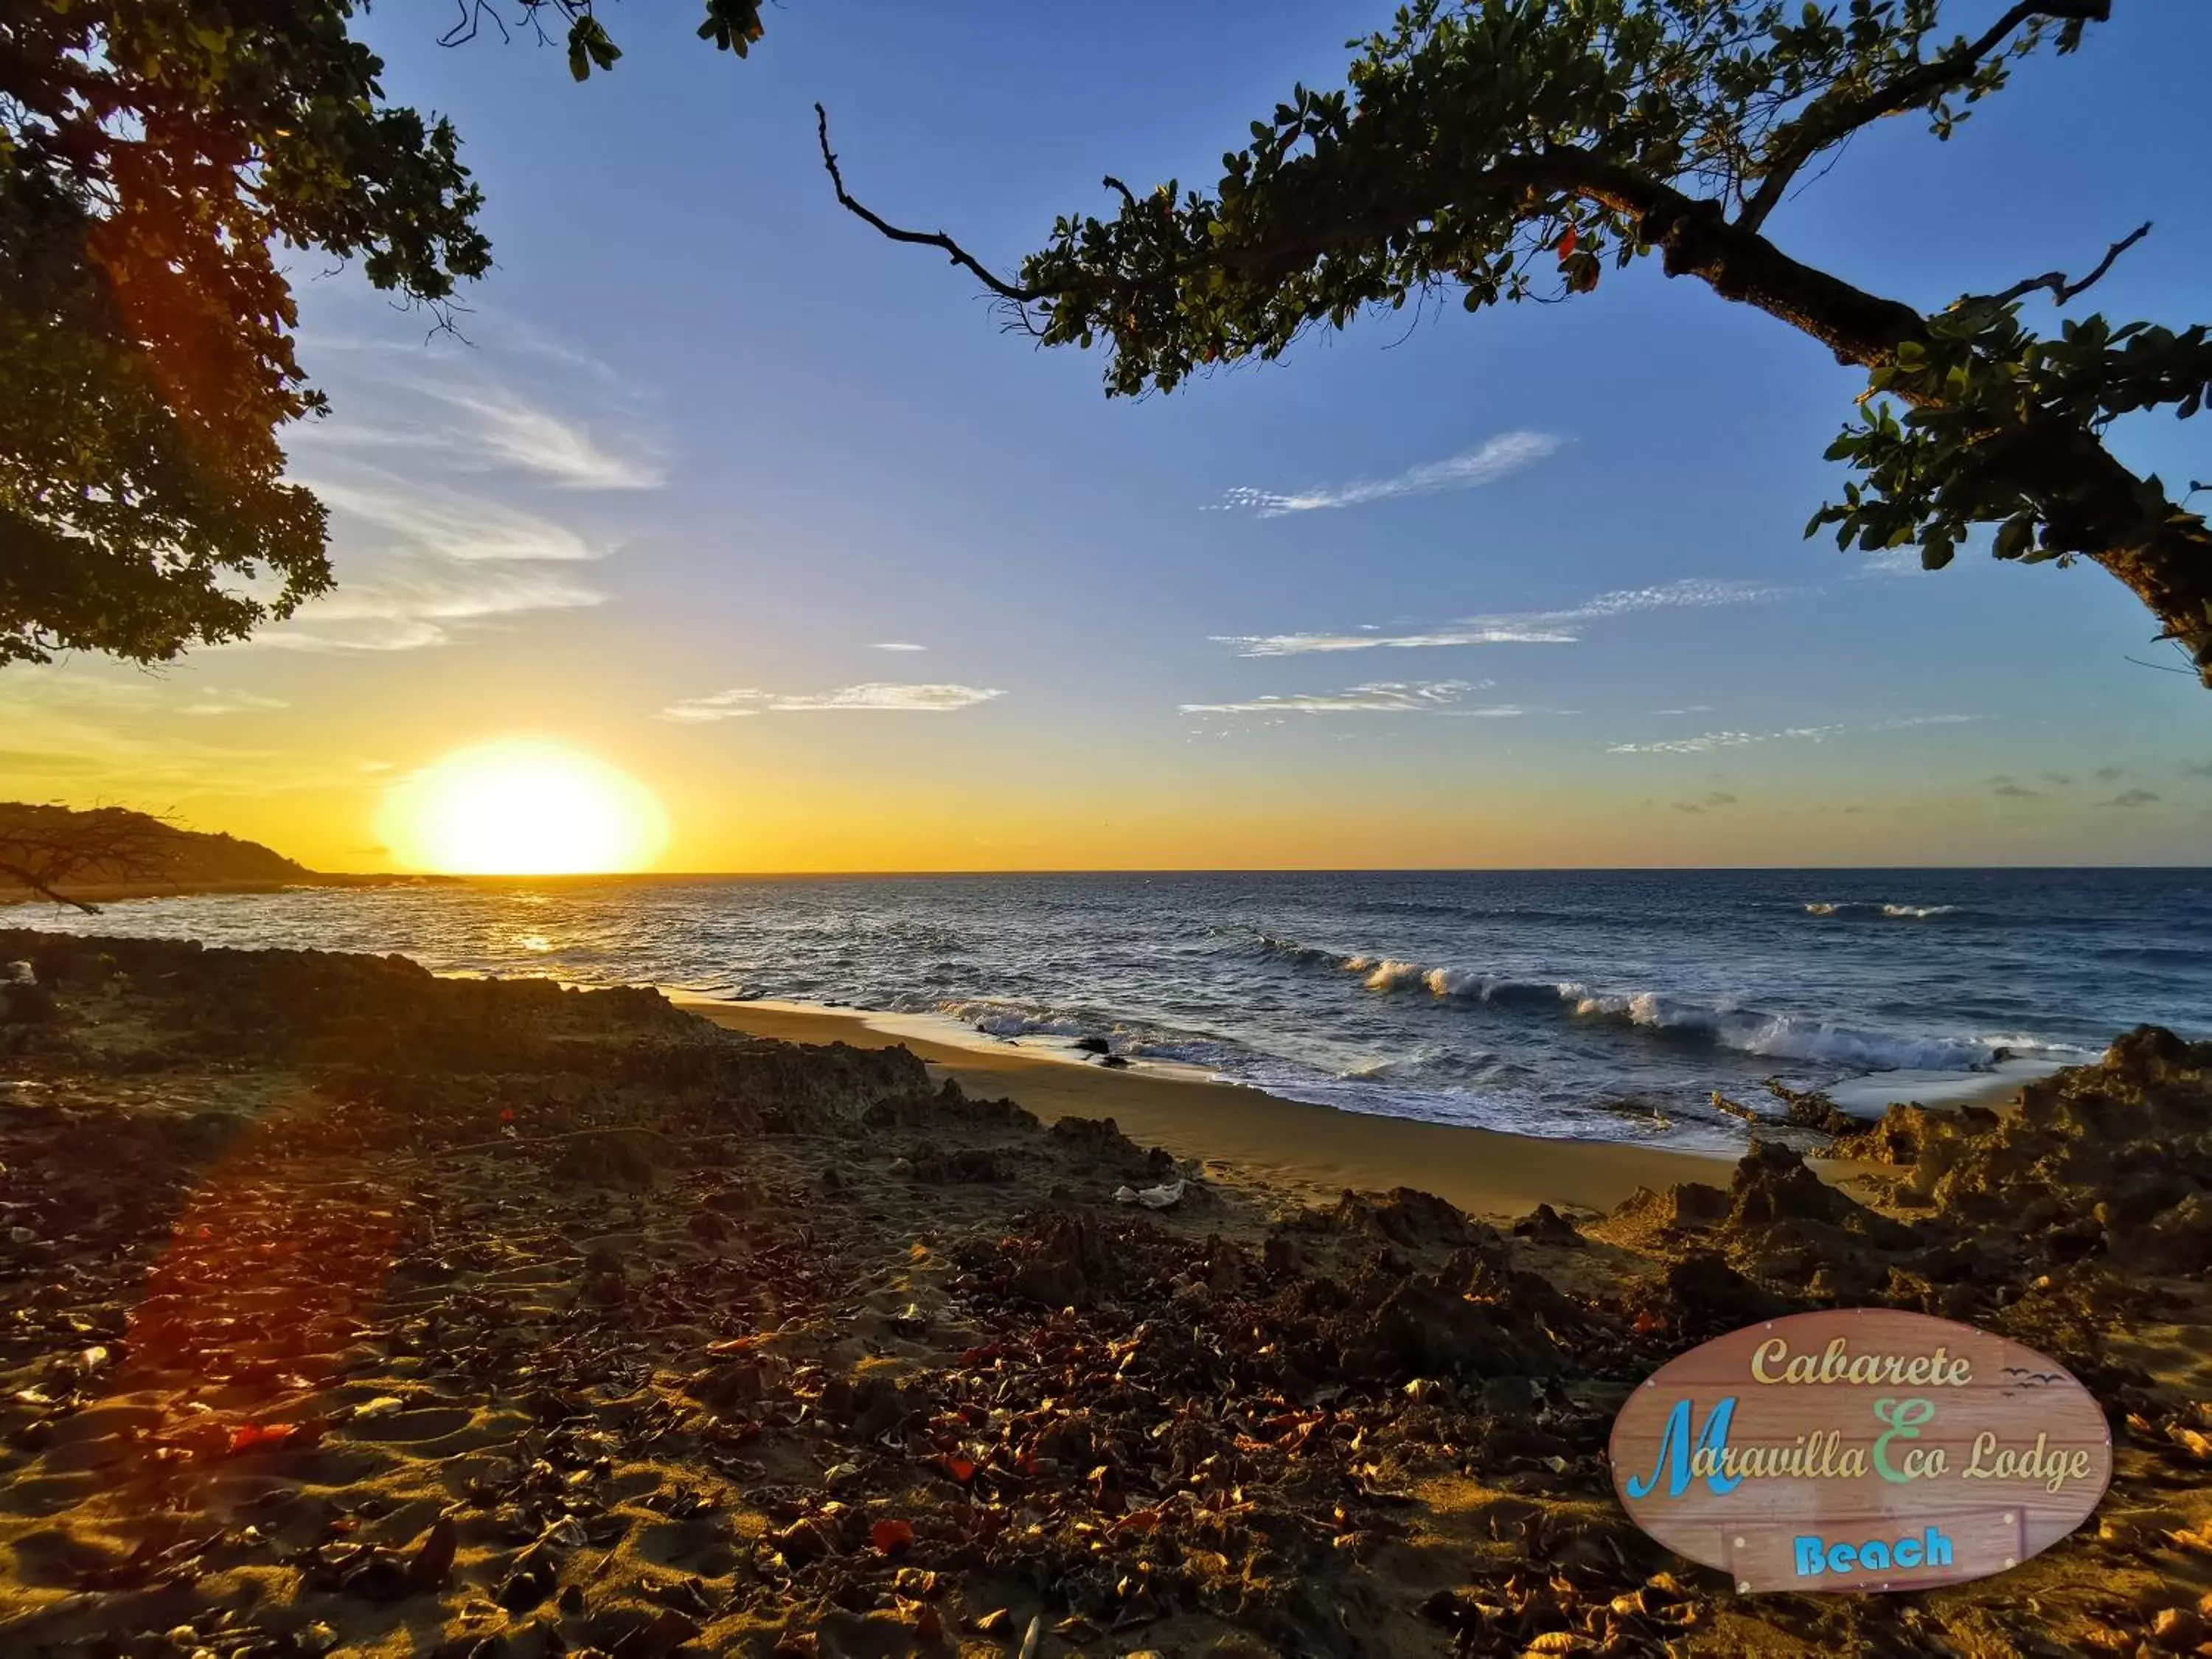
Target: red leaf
(1567, 244)
(259, 1436)
(889, 1537)
(506, 1115)
(960, 1468)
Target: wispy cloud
(131, 692)
(2133, 798)
(1383, 697)
(447, 523)
(874, 696)
(216, 700)
(411, 604)
(2010, 790)
(896, 645)
(1561, 627)
(1500, 457)
(471, 411)
(1706, 742)
(509, 428)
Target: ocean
(1601, 1004)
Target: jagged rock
(1406, 1216)
(1687, 1206)
(1546, 1225)
(1773, 1184)
(1708, 1292)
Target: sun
(521, 808)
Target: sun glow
(523, 809)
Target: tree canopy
(157, 159)
(1517, 149)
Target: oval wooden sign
(1860, 1450)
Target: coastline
(595, 1326)
(1303, 1150)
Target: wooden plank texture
(1860, 1425)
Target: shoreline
(1313, 1152)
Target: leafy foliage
(731, 25)
(155, 157)
(1510, 150)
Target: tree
(1513, 149)
(155, 158)
(44, 850)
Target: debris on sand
(359, 1311)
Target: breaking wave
(1871, 908)
(1672, 1017)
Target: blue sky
(715, 443)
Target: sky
(724, 491)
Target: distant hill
(56, 851)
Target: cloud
(1706, 742)
(414, 603)
(2132, 798)
(1383, 697)
(874, 696)
(1713, 801)
(1500, 457)
(2111, 774)
(2197, 769)
(455, 410)
(2058, 779)
(1893, 562)
(510, 428)
(2011, 791)
(1524, 628)
(448, 524)
(134, 691)
(216, 700)
(1691, 708)
(896, 645)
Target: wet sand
(1306, 1151)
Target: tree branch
(30, 882)
(1794, 145)
(936, 239)
(2061, 291)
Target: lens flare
(523, 809)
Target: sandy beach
(362, 1311)
(1308, 1152)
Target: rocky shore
(353, 1311)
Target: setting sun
(523, 809)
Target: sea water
(1597, 1005)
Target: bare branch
(1128, 195)
(1823, 122)
(2061, 291)
(44, 850)
(936, 239)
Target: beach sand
(1304, 1152)
(360, 1312)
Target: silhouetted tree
(44, 850)
(156, 155)
(1513, 149)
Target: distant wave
(1875, 908)
(1674, 1018)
